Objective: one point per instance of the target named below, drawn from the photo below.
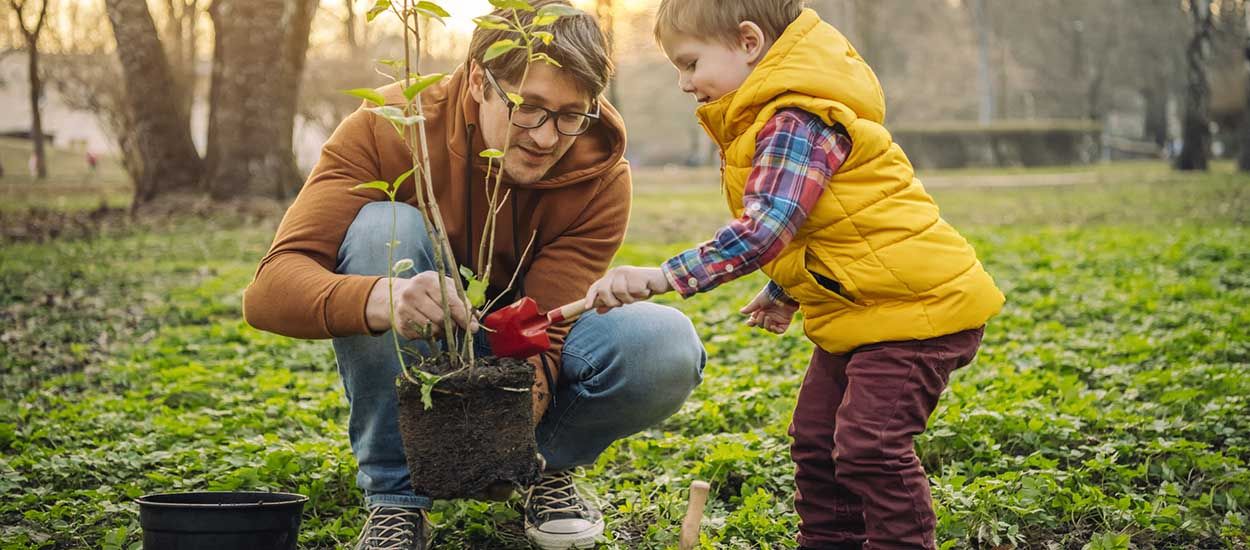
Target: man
(608, 376)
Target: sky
(463, 11)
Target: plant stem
(487, 246)
(445, 258)
(390, 281)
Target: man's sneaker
(557, 517)
(393, 528)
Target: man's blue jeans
(622, 371)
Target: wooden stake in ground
(694, 515)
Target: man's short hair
(717, 20)
(579, 47)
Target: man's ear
(477, 83)
(751, 40)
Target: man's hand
(418, 304)
(626, 285)
(769, 314)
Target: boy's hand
(626, 285)
(769, 314)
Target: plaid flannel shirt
(795, 156)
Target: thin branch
(520, 262)
(494, 196)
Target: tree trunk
(257, 64)
(36, 81)
(1196, 130)
(36, 117)
(984, 72)
(180, 31)
(1243, 159)
(1155, 98)
(167, 160)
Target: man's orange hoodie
(580, 210)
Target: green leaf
(421, 84)
(402, 266)
(428, 381)
(392, 63)
(516, 98)
(491, 153)
(431, 9)
(512, 5)
(466, 272)
(544, 20)
(499, 48)
(378, 8)
(559, 10)
(114, 539)
(493, 22)
(545, 36)
(544, 58)
(476, 292)
(368, 94)
(402, 178)
(396, 115)
(427, 396)
(382, 185)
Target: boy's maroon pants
(857, 476)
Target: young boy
(830, 209)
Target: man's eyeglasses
(529, 116)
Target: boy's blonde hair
(717, 20)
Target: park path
(1009, 180)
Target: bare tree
(355, 44)
(1196, 128)
(30, 33)
(257, 64)
(87, 76)
(605, 12)
(157, 129)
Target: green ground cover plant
(1108, 408)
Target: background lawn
(1109, 408)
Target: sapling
(409, 122)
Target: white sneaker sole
(564, 541)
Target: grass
(1107, 408)
(69, 186)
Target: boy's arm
(795, 156)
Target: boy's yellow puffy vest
(905, 273)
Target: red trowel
(520, 331)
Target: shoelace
(390, 528)
(554, 494)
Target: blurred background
(969, 83)
(1091, 150)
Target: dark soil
(476, 435)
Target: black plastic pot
(220, 520)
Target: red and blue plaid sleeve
(796, 154)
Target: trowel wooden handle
(694, 515)
(567, 312)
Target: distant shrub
(1001, 144)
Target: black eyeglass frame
(548, 114)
